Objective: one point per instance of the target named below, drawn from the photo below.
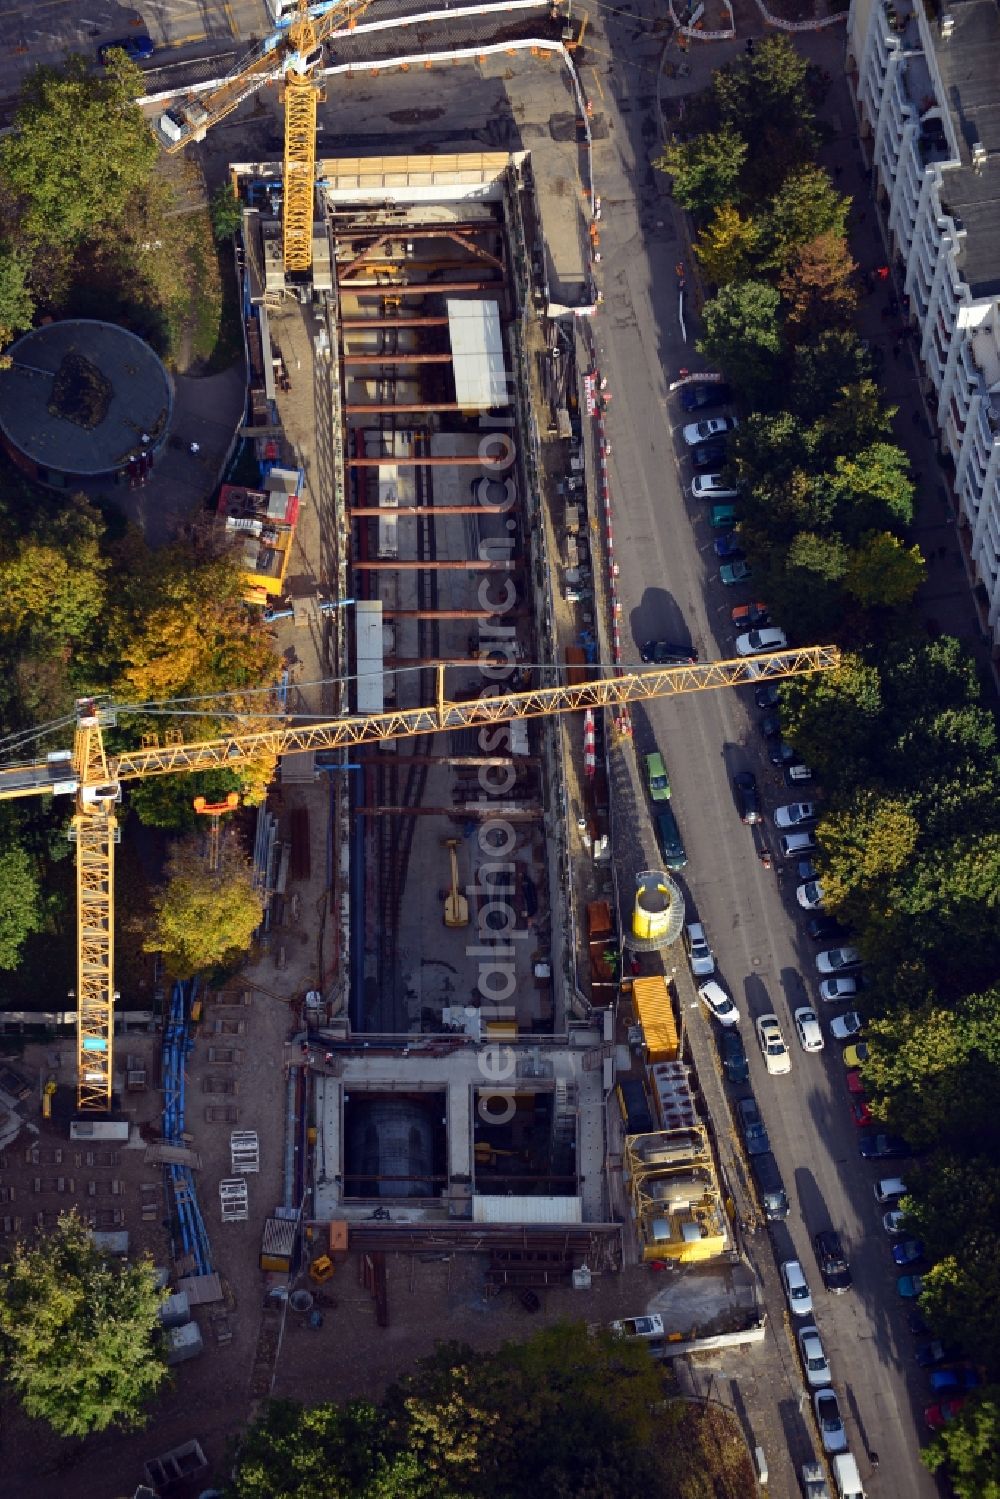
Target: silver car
(830, 1421)
(700, 954)
(800, 1302)
(814, 1360)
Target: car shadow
(657, 616)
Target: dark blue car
(138, 48)
(729, 546)
(910, 1252)
(702, 397)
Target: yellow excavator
(456, 907)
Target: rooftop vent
(947, 24)
(978, 155)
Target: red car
(749, 616)
(861, 1113)
(854, 1084)
(939, 1415)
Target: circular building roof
(80, 396)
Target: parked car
(880, 1147)
(137, 48)
(728, 545)
(656, 778)
(929, 1355)
(799, 846)
(752, 1126)
(836, 990)
(798, 773)
(833, 1266)
(749, 616)
(767, 695)
(700, 955)
(844, 1027)
(814, 1360)
(707, 428)
(796, 1289)
(718, 1002)
(723, 517)
(888, 1189)
(638, 1327)
(733, 1054)
(667, 653)
(957, 1377)
(703, 396)
(838, 959)
(894, 1222)
(709, 455)
(807, 1026)
(861, 1113)
(747, 796)
(855, 1084)
(855, 1054)
(713, 486)
(810, 895)
(944, 1412)
(795, 815)
(777, 1058)
(910, 1252)
(824, 929)
(830, 1421)
(668, 835)
(769, 724)
(754, 642)
(732, 573)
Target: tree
(204, 919)
(823, 368)
(168, 801)
(961, 1295)
(863, 846)
(79, 151)
(705, 170)
(969, 1447)
(806, 207)
(50, 592)
(324, 1452)
(726, 245)
(834, 720)
(765, 98)
(883, 572)
(226, 211)
(17, 306)
(825, 556)
(21, 903)
(79, 1332)
(818, 286)
(871, 488)
(743, 335)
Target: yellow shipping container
(655, 1012)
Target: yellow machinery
(216, 811)
(294, 53)
(321, 1269)
(456, 907)
(47, 1092)
(97, 778)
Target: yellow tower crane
(96, 779)
(295, 53)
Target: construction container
(655, 1014)
(672, 1096)
(183, 1343)
(278, 1244)
(187, 1461)
(175, 1311)
(336, 1241)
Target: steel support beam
(375, 408)
(395, 358)
(419, 289)
(466, 565)
(457, 760)
(393, 322)
(402, 511)
(460, 809)
(458, 460)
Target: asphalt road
(669, 587)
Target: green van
(668, 835)
(724, 516)
(656, 778)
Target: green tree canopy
(823, 367)
(705, 169)
(17, 306)
(325, 1452)
(743, 336)
(805, 207)
(883, 572)
(168, 801)
(226, 210)
(79, 1332)
(969, 1447)
(726, 246)
(764, 96)
(21, 903)
(202, 918)
(79, 151)
(818, 286)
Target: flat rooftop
(969, 61)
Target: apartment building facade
(926, 85)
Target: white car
(830, 1421)
(754, 642)
(846, 1027)
(894, 1222)
(838, 959)
(719, 1003)
(700, 955)
(777, 1058)
(835, 990)
(814, 1361)
(638, 1327)
(794, 814)
(810, 1035)
(708, 427)
(800, 1302)
(810, 895)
